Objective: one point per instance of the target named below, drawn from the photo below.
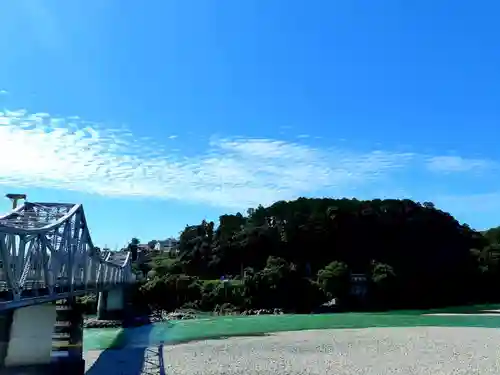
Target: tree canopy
(299, 254)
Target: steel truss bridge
(46, 254)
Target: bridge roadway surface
(47, 254)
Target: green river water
(220, 327)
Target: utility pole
(14, 198)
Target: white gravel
(436, 351)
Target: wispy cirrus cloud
(454, 164)
(69, 153)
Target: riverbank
(93, 322)
(416, 351)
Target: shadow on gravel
(126, 355)
(130, 354)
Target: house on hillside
(170, 245)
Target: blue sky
(158, 114)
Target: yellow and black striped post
(68, 333)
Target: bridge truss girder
(46, 253)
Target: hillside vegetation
(300, 254)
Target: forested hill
(492, 235)
(413, 254)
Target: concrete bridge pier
(111, 304)
(26, 337)
(26, 340)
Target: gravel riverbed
(372, 351)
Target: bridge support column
(26, 336)
(5, 324)
(111, 305)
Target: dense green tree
(133, 247)
(383, 287)
(279, 284)
(413, 255)
(493, 235)
(335, 280)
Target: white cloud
(69, 153)
(3, 92)
(458, 164)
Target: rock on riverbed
(176, 315)
(156, 318)
(96, 323)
